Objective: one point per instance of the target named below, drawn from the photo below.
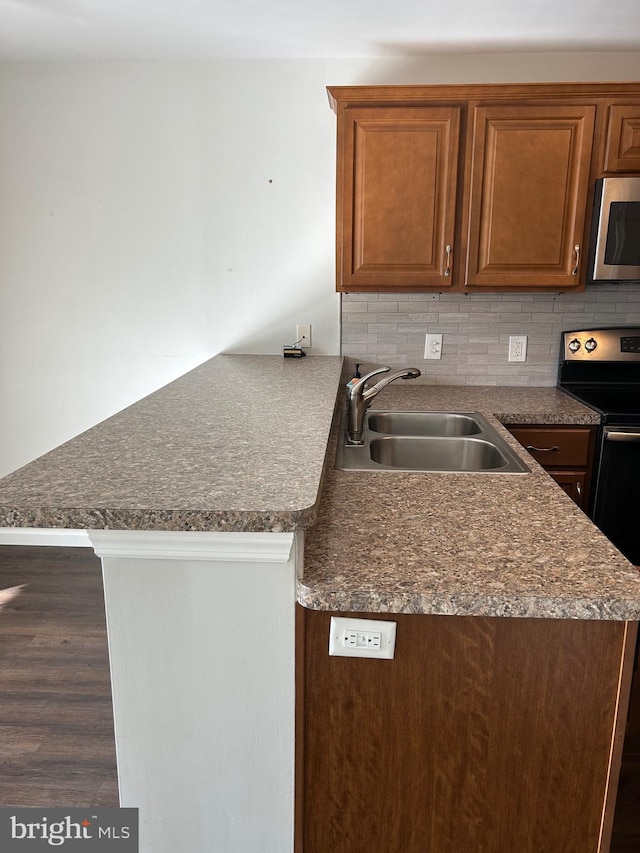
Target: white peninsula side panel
(201, 642)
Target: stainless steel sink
(423, 423)
(452, 442)
(436, 454)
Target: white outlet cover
(517, 348)
(341, 626)
(303, 335)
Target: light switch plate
(362, 638)
(433, 346)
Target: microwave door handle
(619, 435)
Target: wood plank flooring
(56, 726)
(56, 718)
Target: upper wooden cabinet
(397, 196)
(475, 188)
(623, 139)
(528, 194)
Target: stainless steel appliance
(601, 367)
(614, 254)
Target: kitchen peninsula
(196, 500)
(205, 502)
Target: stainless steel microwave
(614, 254)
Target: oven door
(616, 508)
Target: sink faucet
(359, 398)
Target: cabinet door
(396, 197)
(623, 139)
(529, 186)
(574, 484)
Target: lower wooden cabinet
(566, 452)
(482, 735)
(574, 484)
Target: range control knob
(590, 345)
(574, 345)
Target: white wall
(153, 214)
(101, 264)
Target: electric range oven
(601, 368)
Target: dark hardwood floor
(56, 726)
(56, 721)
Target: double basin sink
(452, 442)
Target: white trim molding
(54, 536)
(190, 545)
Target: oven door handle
(621, 435)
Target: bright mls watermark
(80, 830)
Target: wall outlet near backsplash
(389, 329)
(517, 348)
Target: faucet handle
(358, 386)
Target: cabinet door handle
(553, 449)
(579, 491)
(447, 268)
(576, 249)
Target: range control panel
(630, 343)
(609, 344)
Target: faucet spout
(409, 373)
(360, 397)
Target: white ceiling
(162, 29)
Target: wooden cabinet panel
(481, 735)
(623, 139)
(500, 173)
(397, 173)
(529, 188)
(574, 484)
(555, 447)
(565, 452)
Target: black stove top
(601, 368)
(614, 405)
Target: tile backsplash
(389, 328)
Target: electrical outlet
(303, 336)
(433, 346)
(517, 347)
(362, 638)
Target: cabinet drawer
(553, 447)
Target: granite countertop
(238, 444)
(247, 443)
(465, 544)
